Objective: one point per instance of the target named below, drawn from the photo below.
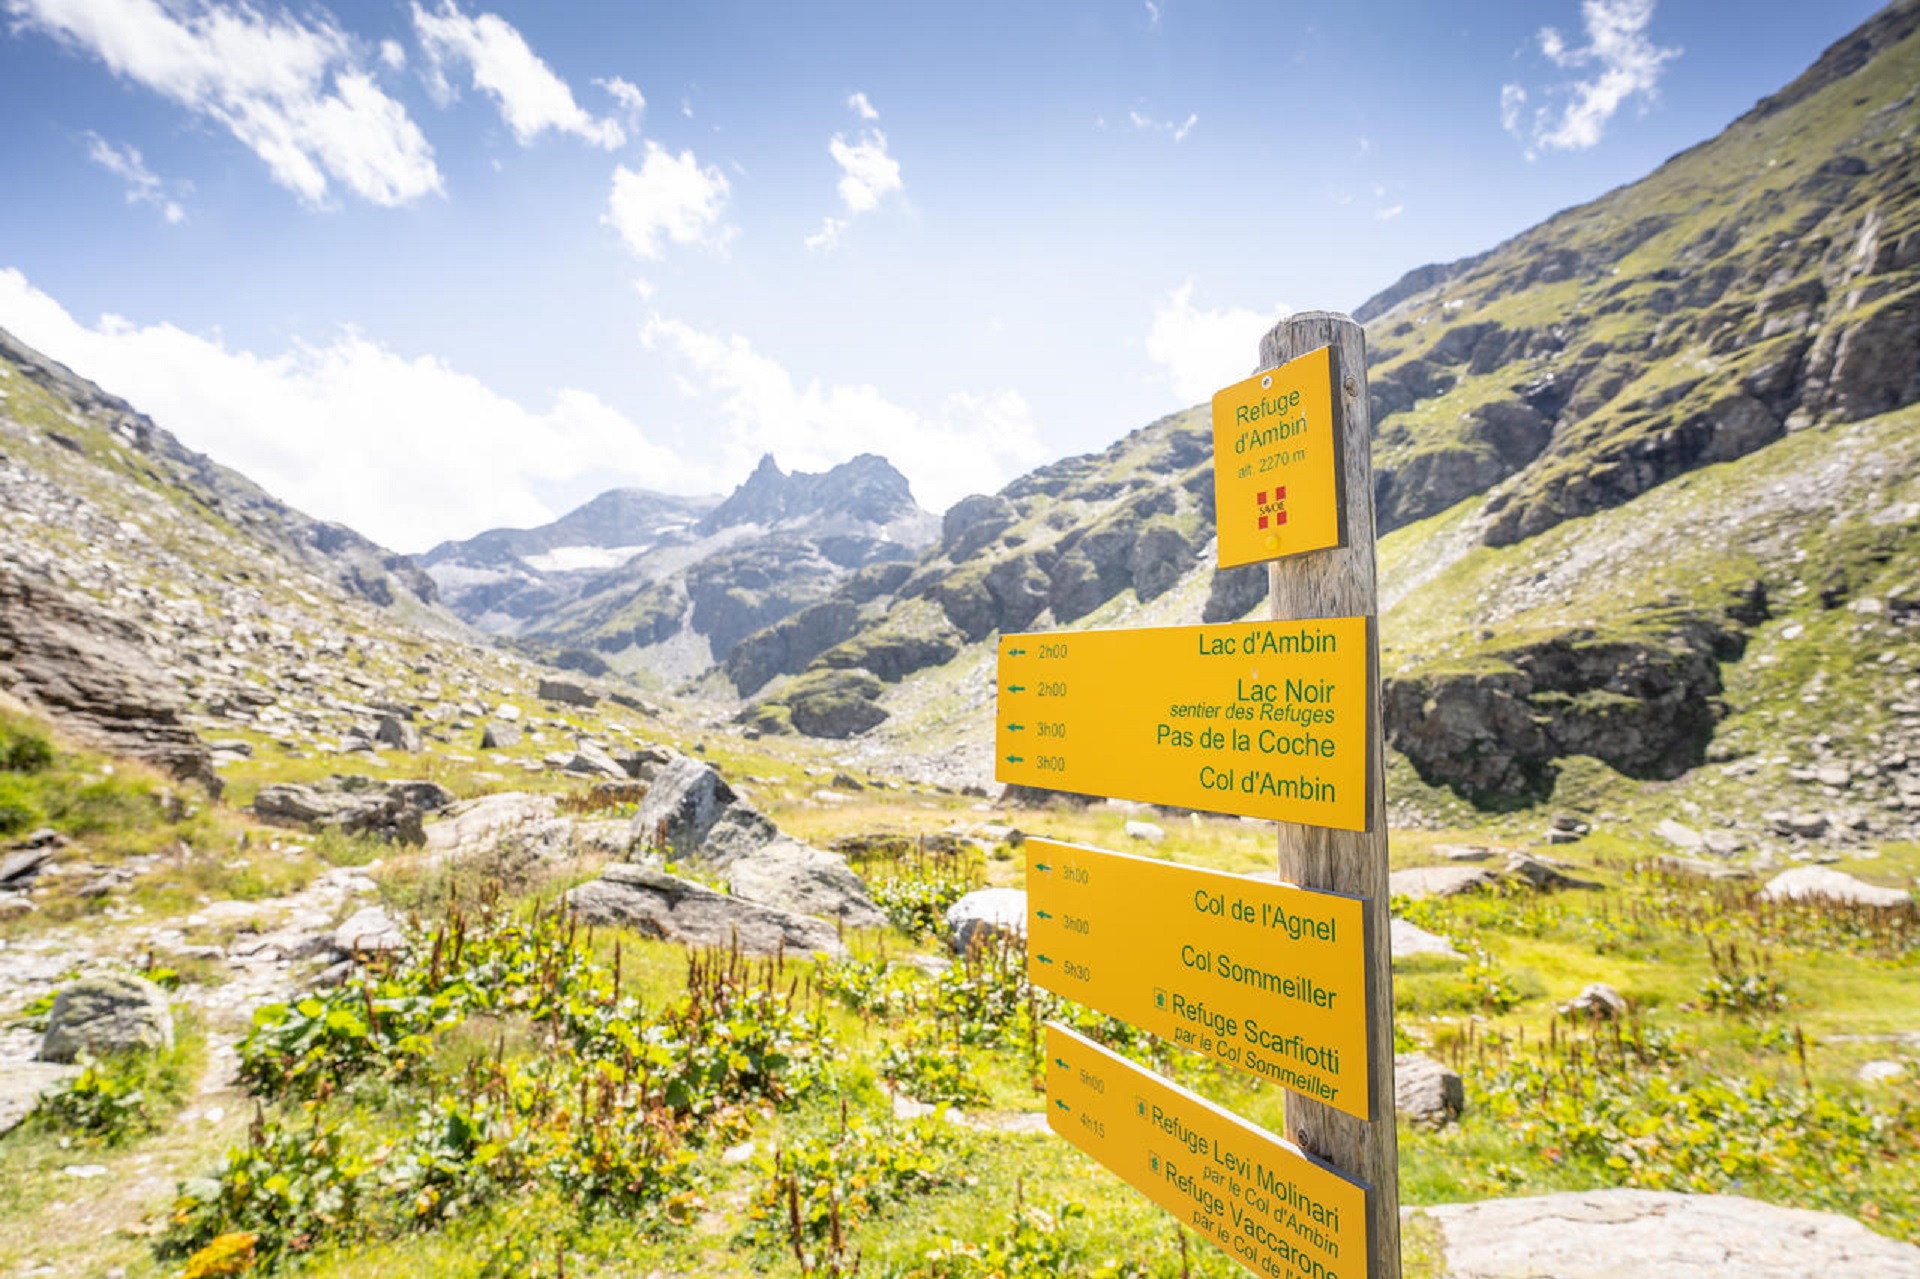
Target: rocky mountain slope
(1648, 474)
(158, 605)
(643, 582)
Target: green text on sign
(1266, 977)
(1274, 1210)
(1259, 719)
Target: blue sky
(429, 268)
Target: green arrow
(1062, 1063)
(1042, 914)
(1016, 759)
(1042, 867)
(1043, 959)
(1016, 728)
(1063, 1105)
(1016, 652)
(1016, 688)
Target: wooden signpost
(1281, 719)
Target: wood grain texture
(1340, 582)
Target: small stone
(1694, 868)
(1425, 1092)
(1685, 838)
(499, 736)
(1543, 876)
(369, 930)
(1597, 1000)
(1464, 852)
(1875, 1072)
(985, 912)
(397, 734)
(1410, 941)
(1147, 831)
(1833, 775)
(1438, 881)
(1812, 883)
(506, 711)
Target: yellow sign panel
(1260, 719)
(1263, 976)
(1276, 469)
(1272, 1209)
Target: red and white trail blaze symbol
(1275, 510)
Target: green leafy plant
(814, 1193)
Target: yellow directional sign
(1276, 471)
(1262, 719)
(1263, 976)
(1275, 1211)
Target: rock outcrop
(657, 904)
(394, 811)
(89, 671)
(1650, 1234)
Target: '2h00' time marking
(1276, 510)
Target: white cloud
(1390, 213)
(868, 175)
(408, 451)
(1624, 65)
(1203, 351)
(626, 93)
(828, 236)
(1513, 99)
(392, 54)
(532, 98)
(971, 443)
(1147, 124)
(669, 198)
(1153, 14)
(144, 186)
(293, 92)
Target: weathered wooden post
(1340, 582)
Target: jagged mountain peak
(866, 488)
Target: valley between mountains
(633, 894)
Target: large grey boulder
(985, 913)
(657, 904)
(396, 734)
(1821, 883)
(1410, 941)
(794, 876)
(1652, 1234)
(107, 1013)
(393, 811)
(591, 758)
(514, 832)
(1438, 881)
(369, 931)
(1425, 1092)
(567, 692)
(691, 814)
